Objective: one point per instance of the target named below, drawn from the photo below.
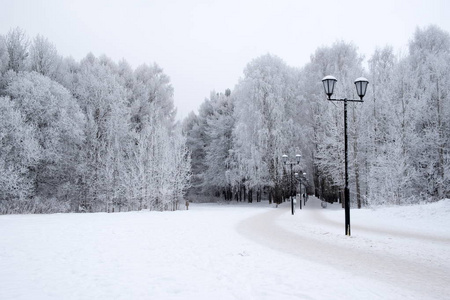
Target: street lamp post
(361, 88)
(299, 177)
(286, 162)
(306, 192)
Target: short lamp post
(291, 163)
(361, 88)
(299, 177)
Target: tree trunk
(240, 192)
(356, 163)
(440, 167)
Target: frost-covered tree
(157, 173)
(44, 57)
(66, 75)
(407, 157)
(152, 87)
(20, 154)
(218, 154)
(4, 56)
(103, 101)
(264, 129)
(170, 168)
(197, 140)
(385, 163)
(429, 63)
(17, 45)
(53, 112)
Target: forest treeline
(398, 138)
(98, 135)
(89, 135)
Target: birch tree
(103, 102)
(429, 61)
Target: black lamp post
(299, 177)
(361, 88)
(296, 162)
(304, 196)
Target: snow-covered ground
(229, 251)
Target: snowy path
(312, 236)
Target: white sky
(205, 45)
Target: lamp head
(361, 86)
(328, 85)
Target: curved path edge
(430, 281)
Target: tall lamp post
(291, 163)
(361, 88)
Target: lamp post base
(347, 211)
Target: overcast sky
(205, 45)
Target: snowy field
(229, 251)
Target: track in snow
(430, 280)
